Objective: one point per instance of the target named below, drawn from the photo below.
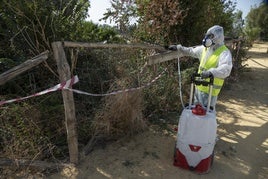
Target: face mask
(207, 41)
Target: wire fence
(109, 96)
(31, 128)
(35, 128)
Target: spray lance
(174, 48)
(180, 82)
(165, 54)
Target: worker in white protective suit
(215, 59)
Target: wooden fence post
(17, 70)
(70, 118)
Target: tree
(200, 16)
(180, 21)
(91, 32)
(256, 23)
(238, 24)
(122, 12)
(33, 25)
(262, 20)
(158, 19)
(29, 27)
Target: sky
(245, 5)
(98, 8)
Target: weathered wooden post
(70, 118)
(17, 70)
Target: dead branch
(102, 45)
(162, 57)
(17, 70)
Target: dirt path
(241, 152)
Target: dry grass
(120, 115)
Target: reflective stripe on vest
(212, 62)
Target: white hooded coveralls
(223, 68)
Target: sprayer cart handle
(198, 80)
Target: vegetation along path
(241, 151)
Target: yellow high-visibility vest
(212, 62)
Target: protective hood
(214, 36)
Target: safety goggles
(209, 36)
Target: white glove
(179, 47)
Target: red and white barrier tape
(67, 84)
(64, 85)
(119, 91)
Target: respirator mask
(207, 41)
